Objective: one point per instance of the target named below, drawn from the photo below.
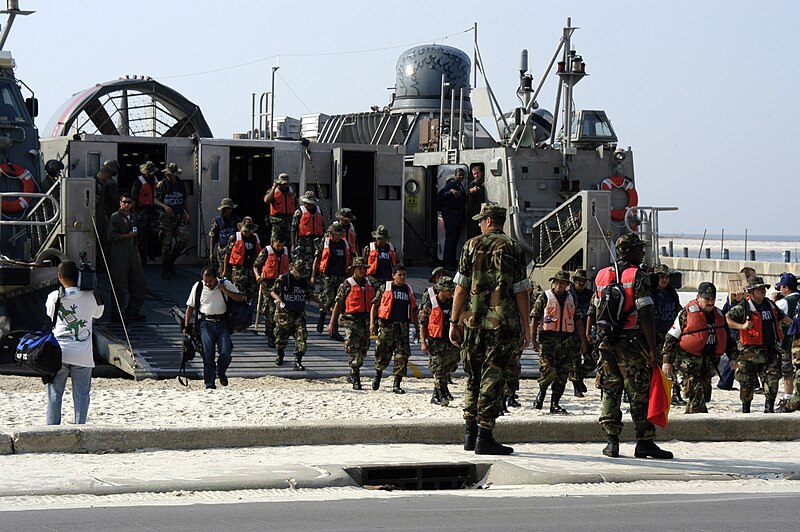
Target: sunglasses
(126, 201)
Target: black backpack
(610, 314)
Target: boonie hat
(561, 275)
(490, 210)
(247, 224)
(172, 169)
(226, 203)
(629, 241)
(580, 274)
(358, 262)
(663, 269)
(345, 212)
(755, 282)
(283, 179)
(337, 229)
(147, 168)
(446, 283)
(439, 270)
(787, 279)
(381, 232)
(707, 289)
(309, 198)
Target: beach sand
(274, 400)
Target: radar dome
(419, 77)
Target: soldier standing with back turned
(491, 299)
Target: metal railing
(552, 232)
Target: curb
(544, 429)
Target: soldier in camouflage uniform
(434, 337)
(393, 307)
(282, 205)
(626, 356)
(353, 304)
(586, 362)
(793, 404)
(555, 321)
(491, 299)
(243, 248)
(436, 274)
(174, 220)
(307, 227)
(291, 291)
(332, 261)
(694, 344)
(758, 321)
(223, 226)
(267, 272)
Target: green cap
(491, 210)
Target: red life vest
(352, 239)
(755, 336)
(310, 224)
(436, 319)
(385, 308)
(372, 258)
(555, 318)
(282, 203)
(273, 269)
(326, 253)
(360, 298)
(608, 276)
(146, 193)
(237, 253)
(695, 339)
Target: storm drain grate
(423, 477)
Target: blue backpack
(40, 351)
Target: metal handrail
(44, 196)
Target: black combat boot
(612, 447)
(438, 398)
(321, 321)
(539, 401)
(486, 444)
(376, 382)
(279, 358)
(356, 375)
(503, 407)
(555, 408)
(769, 405)
(512, 401)
(446, 392)
(470, 435)
(578, 388)
(645, 448)
(677, 400)
(396, 387)
(746, 407)
(298, 362)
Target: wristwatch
(454, 321)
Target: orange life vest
(436, 327)
(272, 268)
(146, 193)
(310, 223)
(385, 308)
(694, 340)
(237, 253)
(555, 318)
(755, 336)
(282, 203)
(326, 253)
(351, 238)
(372, 257)
(608, 276)
(360, 297)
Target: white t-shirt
(74, 325)
(211, 301)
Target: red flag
(660, 398)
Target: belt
(214, 317)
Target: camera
(87, 277)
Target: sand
(274, 400)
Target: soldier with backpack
(622, 312)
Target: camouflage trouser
(172, 229)
(696, 372)
(304, 250)
(268, 304)
(554, 360)
(622, 365)
(356, 340)
(755, 362)
(245, 280)
(512, 375)
(794, 402)
(486, 356)
(392, 338)
(441, 360)
(147, 227)
(327, 296)
(281, 227)
(288, 323)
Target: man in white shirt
(213, 324)
(73, 329)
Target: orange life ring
(17, 172)
(618, 181)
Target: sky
(702, 91)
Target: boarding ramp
(573, 236)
